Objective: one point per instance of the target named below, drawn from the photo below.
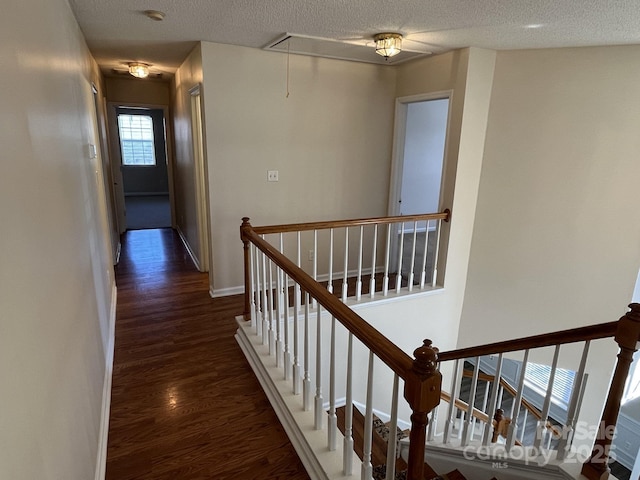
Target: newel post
(422, 392)
(627, 337)
(247, 274)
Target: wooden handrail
(592, 332)
(421, 377)
(385, 349)
(299, 227)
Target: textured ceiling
(117, 31)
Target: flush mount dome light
(139, 70)
(388, 44)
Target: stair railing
(626, 333)
(283, 301)
(369, 256)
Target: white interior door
(420, 140)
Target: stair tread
(379, 445)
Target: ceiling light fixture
(139, 70)
(388, 44)
(156, 15)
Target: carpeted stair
(379, 439)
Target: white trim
(194, 259)
(399, 132)
(146, 194)
(310, 444)
(225, 292)
(101, 460)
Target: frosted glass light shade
(139, 70)
(388, 44)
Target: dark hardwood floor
(185, 403)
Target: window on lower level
(537, 377)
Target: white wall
(557, 231)
(187, 76)
(424, 143)
(56, 281)
(468, 74)
(330, 141)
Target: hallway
(185, 404)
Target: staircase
(380, 447)
(312, 351)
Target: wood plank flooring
(185, 403)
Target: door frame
(116, 156)
(200, 176)
(397, 159)
(399, 132)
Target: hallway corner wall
(188, 75)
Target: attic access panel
(341, 50)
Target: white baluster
(434, 277)
(265, 305)
(493, 403)
(297, 378)
(433, 421)
(330, 282)
(347, 458)
(278, 317)
(359, 280)
(318, 411)
(583, 385)
(332, 430)
(372, 280)
(515, 409)
(392, 441)
(367, 467)
(298, 251)
(306, 383)
(413, 256)
(400, 252)
(541, 429)
(572, 411)
(485, 403)
(468, 431)
(345, 284)
(272, 332)
(287, 339)
(455, 391)
(423, 270)
(387, 254)
(524, 425)
(259, 302)
(315, 261)
(252, 297)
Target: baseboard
(225, 292)
(146, 194)
(193, 256)
(101, 461)
(310, 444)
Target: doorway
(140, 144)
(420, 140)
